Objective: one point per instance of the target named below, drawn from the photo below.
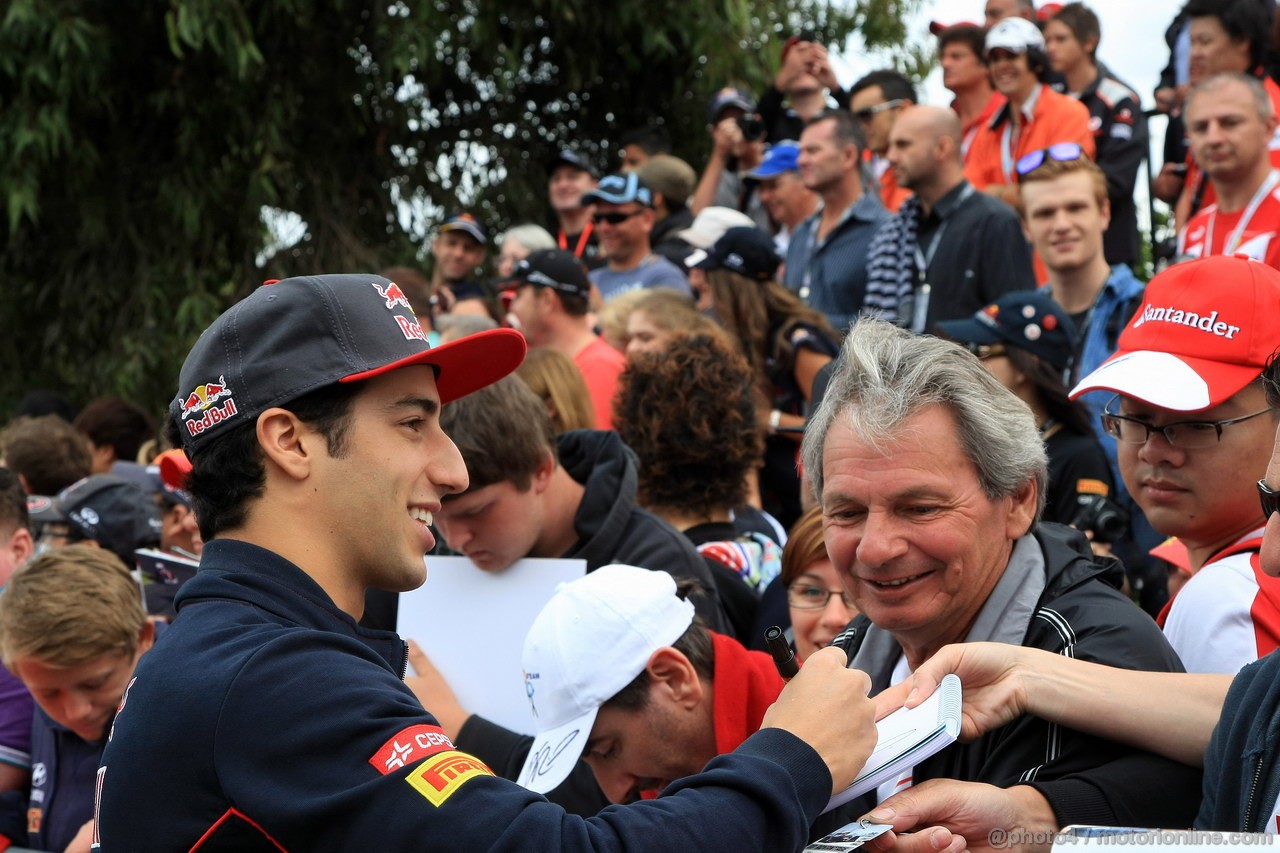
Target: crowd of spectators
(880, 373)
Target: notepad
(906, 737)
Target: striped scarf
(891, 265)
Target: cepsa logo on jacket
(409, 746)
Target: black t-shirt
(1073, 458)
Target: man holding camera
(737, 147)
(1194, 431)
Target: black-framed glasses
(1185, 434)
(614, 218)
(1063, 152)
(1270, 500)
(866, 113)
(804, 595)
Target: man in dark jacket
(534, 494)
(268, 719)
(931, 477)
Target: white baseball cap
(592, 639)
(1015, 35)
(710, 225)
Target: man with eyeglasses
(1035, 116)
(876, 102)
(548, 297)
(1194, 431)
(623, 219)
(1231, 122)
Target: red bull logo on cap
(393, 296)
(205, 396)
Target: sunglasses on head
(1063, 152)
(614, 218)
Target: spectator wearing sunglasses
(1035, 116)
(623, 219)
(1193, 424)
(876, 102)
(1231, 122)
(1115, 111)
(548, 297)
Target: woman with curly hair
(689, 415)
(785, 342)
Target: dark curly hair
(690, 415)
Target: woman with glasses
(785, 342)
(1025, 340)
(817, 602)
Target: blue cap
(781, 157)
(620, 189)
(467, 224)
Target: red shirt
(1253, 233)
(994, 103)
(600, 366)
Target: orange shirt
(891, 195)
(971, 130)
(1054, 118)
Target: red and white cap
(592, 639)
(1205, 330)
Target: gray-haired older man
(931, 478)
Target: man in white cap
(619, 673)
(1194, 432)
(1035, 117)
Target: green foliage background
(141, 140)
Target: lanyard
(1233, 239)
(563, 240)
(1006, 149)
(920, 305)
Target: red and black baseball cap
(291, 337)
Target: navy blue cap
(730, 96)
(745, 250)
(557, 269)
(467, 224)
(781, 157)
(569, 157)
(108, 509)
(291, 337)
(620, 189)
(1027, 319)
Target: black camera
(752, 128)
(1107, 519)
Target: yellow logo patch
(440, 776)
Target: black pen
(783, 658)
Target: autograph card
(849, 837)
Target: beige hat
(671, 176)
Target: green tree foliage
(143, 139)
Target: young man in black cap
(268, 720)
(103, 509)
(570, 176)
(459, 249)
(548, 297)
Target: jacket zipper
(1253, 789)
(404, 662)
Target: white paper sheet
(471, 623)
